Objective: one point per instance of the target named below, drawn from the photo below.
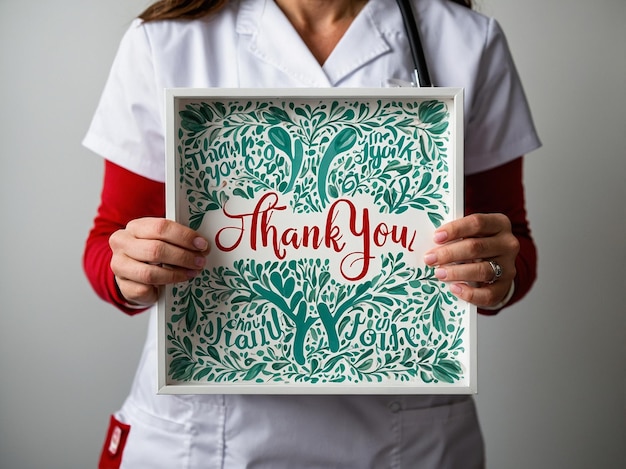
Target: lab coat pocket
(446, 436)
(155, 442)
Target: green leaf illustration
(292, 321)
(432, 112)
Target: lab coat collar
(275, 41)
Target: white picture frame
(319, 205)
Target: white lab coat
(250, 43)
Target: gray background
(552, 374)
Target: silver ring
(497, 271)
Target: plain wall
(551, 369)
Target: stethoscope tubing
(421, 75)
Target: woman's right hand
(151, 252)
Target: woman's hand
(465, 247)
(151, 252)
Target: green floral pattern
(292, 320)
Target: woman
(296, 43)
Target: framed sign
(319, 205)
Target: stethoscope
(421, 76)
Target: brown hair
(180, 9)
(192, 9)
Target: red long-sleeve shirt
(127, 196)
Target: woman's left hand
(465, 247)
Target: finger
(154, 251)
(137, 293)
(475, 225)
(152, 275)
(169, 231)
(163, 253)
(476, 272)
(504, 246)
(485, 296)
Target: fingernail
(199, 261)
(441, 273)
(456, 289)
(200, 243)
(440, 236)
(192, 273)
(430, 258)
